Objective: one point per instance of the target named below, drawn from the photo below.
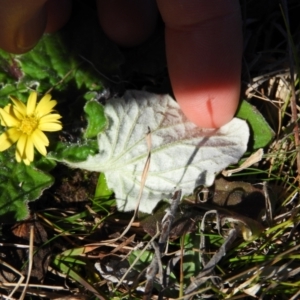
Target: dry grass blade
(152, 270)
(137, 259)
(168, 220)
(30, 258)
(251, 160)
(295, 296)
(208, 268)
(292, 55)
(155, 265)
(143, 181)
(21, 279)
(37, 286)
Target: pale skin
(203, 43)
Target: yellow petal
(8, 138)
(21, 145)
(19, 105)
(41, 148)
(31, 103)
(40, 140)
(18, 157)
(50, 118)
(41, 136)
(45, 106)
(8, 109)
(29, 150)
(53, 126)
(26, 162)
(16, 113)
(9, 119)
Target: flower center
(28, 124)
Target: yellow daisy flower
(26, 125)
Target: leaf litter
(265, 269)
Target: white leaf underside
(183, 155)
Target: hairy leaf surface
(183, 155)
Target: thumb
(23, 22)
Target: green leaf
(102, 189)
(96, 119)
(192, 259)
(261, 132)
(44, 164)
(17, 90)
(70, 259)
(145, 258)
(69, 270)
(19, 184)
(51, 61)
(74, 152)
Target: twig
(100, 73)
(59, 82)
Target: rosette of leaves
(51, 64)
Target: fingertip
(210, 109)
(204, 49)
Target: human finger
(58, 13)
(127, 22)
(23, 22)
(204, 48)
